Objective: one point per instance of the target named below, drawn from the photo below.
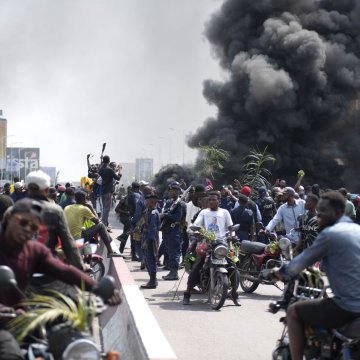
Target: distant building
(51, 171)
(144, 169)
(128, 173)
(21, 161)
(3, 144)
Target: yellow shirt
(76, 215)
(86, 183)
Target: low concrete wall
(131, 328)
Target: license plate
(218, 262)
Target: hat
(61, 188)
(18, 185)
(245, 190)
(143, 183)
(151, 196)
(262, 190)
(39, 178)
(135, 185)
(27, 205)
(174, 186)
(290, 191)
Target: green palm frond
(45, 309)
(212, 159)
(254, 172)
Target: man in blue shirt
(150, 239)
(338, 246)
(171, 228)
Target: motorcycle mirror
(286, 247)
(195, 228)
(7, 277)
(105, 287)
(259, 226)
(234, 227)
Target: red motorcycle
(95, 261)
(256, 256)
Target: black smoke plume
(171, 173)
(293, 75)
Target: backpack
(123, 208)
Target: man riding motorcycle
(338, 246)
(212, 219)
(26, 257)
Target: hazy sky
(77, 73)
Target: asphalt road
(197, 332)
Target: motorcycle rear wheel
(248, 266)
(219, 293)
(97, 270)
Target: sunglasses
(25, 222)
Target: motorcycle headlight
(81, 349)
(220, 251)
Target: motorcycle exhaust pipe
(250, 277)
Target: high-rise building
(144, 169)
(3, 137)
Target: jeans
(101, 230)
(106, 203)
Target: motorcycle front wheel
(219, 293)
(97, 269)
(248, 267)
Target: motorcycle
(321, 343)
(95, 261)
(219, 274)
(256, 256)
(58, 338)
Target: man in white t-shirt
(212, 219)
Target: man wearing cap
(289, 214)
(20, 224)
(171, 227)
(140, 209)
(38, 184)
(150, 239)
(266, 205)
(243, 216)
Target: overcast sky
(77, 73)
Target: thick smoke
(171, 173)
(293, 76)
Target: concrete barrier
(131, 328)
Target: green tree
(212, 159)
(254, 171)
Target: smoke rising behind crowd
(293, 74)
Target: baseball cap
(143, 183)
(246, 190)
(39, 178)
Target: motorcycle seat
(252, 247)
(351, 329)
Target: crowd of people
(320, 223)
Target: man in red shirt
(26, 257)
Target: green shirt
(76, 215)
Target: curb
(131, 328)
